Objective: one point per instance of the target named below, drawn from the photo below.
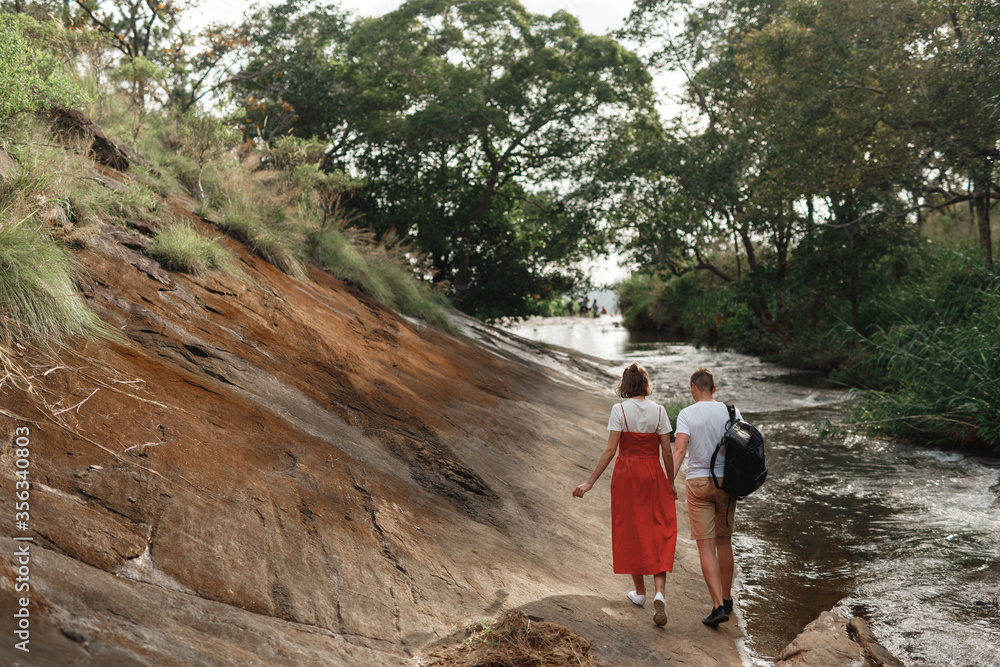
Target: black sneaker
(717, 616)
(728, 604)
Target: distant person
(595, 308)
(604, 311)
(643, 516)
(569, 306)
(583, 307)
(700, 427)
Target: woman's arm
(668, 460)
(602, 464)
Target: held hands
(582, 489)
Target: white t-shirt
(705, 423)
(642, 415)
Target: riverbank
(284, 472)
(901, 535)
(911, 346)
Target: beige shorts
(707, 507)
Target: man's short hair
(703, 379)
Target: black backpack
(745, 469)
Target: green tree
(834, 121)
(140, 75)
(206, 136)
(960, 104)
(137, 27)
(292, 80)
(829, 91)
(478, 123)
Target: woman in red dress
(643, 516)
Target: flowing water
(906, 537)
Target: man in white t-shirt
(700, 427)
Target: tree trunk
(736, 251)
(748, 248)
(854, 282)
(981, 206)
(985, 237)
(201, 190)
(782, 238)
(465, 241)
(855, 297)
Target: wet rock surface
(823, 643)
(833, 640)
(283, 472)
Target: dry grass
(515, 640)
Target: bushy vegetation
(924, 366)
(251, 211)
(384, 270)
(276, 196)
(30, 77)
(39, 300)
(933, 375)
(942, 381)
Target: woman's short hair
(635, 382)
(703, 379)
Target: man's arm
(668, 460)
(681, 441)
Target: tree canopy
(479, 125)
(509, 145)
(818, 126)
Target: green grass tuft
(180, 247)
(39, 301)
(940, 378)
(268, 239)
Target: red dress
(643, 516)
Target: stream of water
(907, 537)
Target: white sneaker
(637, 600)
(660, 605)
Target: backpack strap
(715, 455)
(711, 466)
(622, 406)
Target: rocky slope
(283, 472)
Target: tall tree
(960, 96)
(137, 27)
(478, 123)
(292, 80)
(835, 122)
